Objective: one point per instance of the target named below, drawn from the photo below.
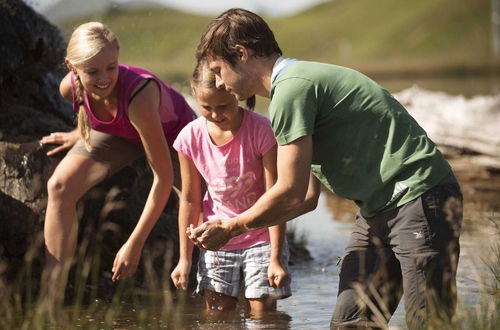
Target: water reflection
(314, 283)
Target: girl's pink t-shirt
(174, 111)
(234, 171)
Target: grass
(385, 37)
(154, 304)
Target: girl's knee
(219, 301)
(260, 305)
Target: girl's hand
(126, 261)
(276, 274)
(180, 275)
(65, 140)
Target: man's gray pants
(411, 250)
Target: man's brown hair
(233, 27)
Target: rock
(31, 66)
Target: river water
(327, 229)
(315, 283)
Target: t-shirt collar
(280, 64)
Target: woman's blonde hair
(86, 41)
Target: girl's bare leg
(218, 301)
(261, 305)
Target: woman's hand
(180, 275)
(65, 140)
(126, 261)
(276, 274)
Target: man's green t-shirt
(366, 147)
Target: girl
(234, 151)
(123, 113)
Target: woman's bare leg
(72, 178)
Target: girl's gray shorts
(228, 272)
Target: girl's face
(219, 107)
(99, 74)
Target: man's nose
(218, 82)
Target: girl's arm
(276, 272)
(189, 213)
(144, 116)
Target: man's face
(235, 79)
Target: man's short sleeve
(265, 140)
(293, 109)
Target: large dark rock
(31, 65)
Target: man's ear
(243, 53)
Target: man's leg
(425, 235)
(370, 279)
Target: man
(361, 144)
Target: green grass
(378, 37)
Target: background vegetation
(380, 38)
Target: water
(315, 284)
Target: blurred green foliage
(384, 37)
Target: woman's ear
(69, 66)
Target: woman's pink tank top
(174, 111)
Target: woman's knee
(59, 187)
(56, 186)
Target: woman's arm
(189, 213)
(144, 116)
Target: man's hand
(211, 235)
(65, 140)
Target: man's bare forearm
(275, 207)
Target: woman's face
(99, 74)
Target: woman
(123, 113)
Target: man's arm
(282, 202)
